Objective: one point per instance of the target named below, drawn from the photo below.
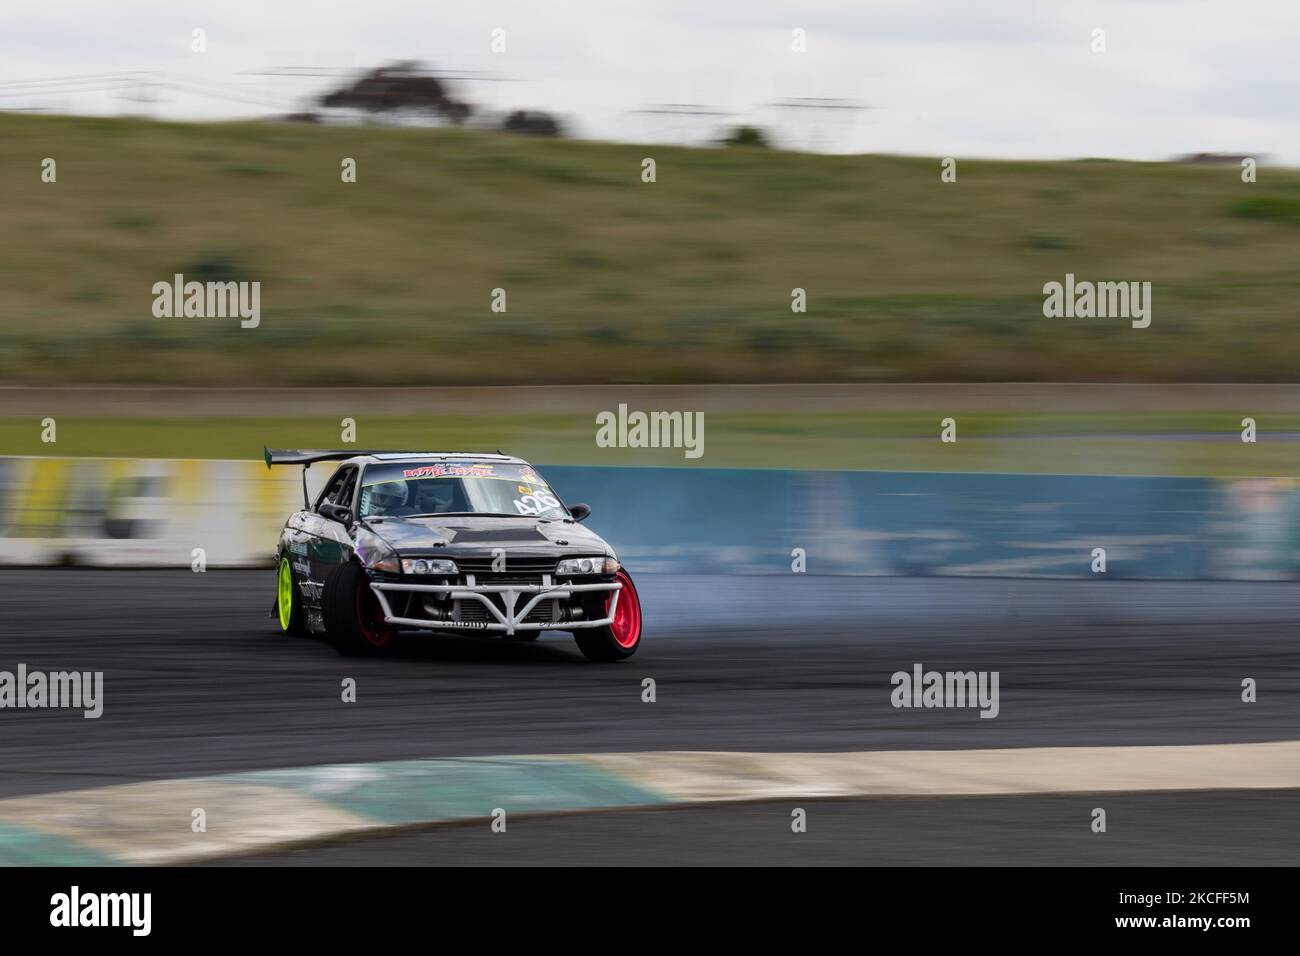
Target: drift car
(446, 542)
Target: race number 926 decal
(536, 503)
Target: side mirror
(580, 511)
(339, 513)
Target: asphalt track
(1213, 828)
(197, 681)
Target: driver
(437, 496)
(389, 498)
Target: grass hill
(609, 279)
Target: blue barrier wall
(748, 521)
(708, 520)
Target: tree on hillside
(745, 136)
(400, 86)
(533, 122)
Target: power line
(72, 78)
(808, 115)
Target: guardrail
(126, 512)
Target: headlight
(428, 566)
(570, 566)
(375, 553)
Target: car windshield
(397, 489)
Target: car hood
(463, 534)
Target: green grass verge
(608, 279)
(1150, 444)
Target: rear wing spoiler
(309, 456)
(305, 457)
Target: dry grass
(388, 281)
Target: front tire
(619, 640)
(354, 621)
(288, 602)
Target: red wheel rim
(626, 626)
(370, 617)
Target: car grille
(473, 611)
(503, 580)
(542, 614)
(514, 566)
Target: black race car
(446, 542)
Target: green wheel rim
(284, 594)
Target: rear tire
(617, 641)
(288, 600)
(354, 621)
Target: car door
(329, 542)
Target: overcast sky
(1012, 78)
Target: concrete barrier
(106, 512)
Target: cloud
(1014, 78)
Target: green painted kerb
(22, 846)
(417, 791)
(390, 794)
